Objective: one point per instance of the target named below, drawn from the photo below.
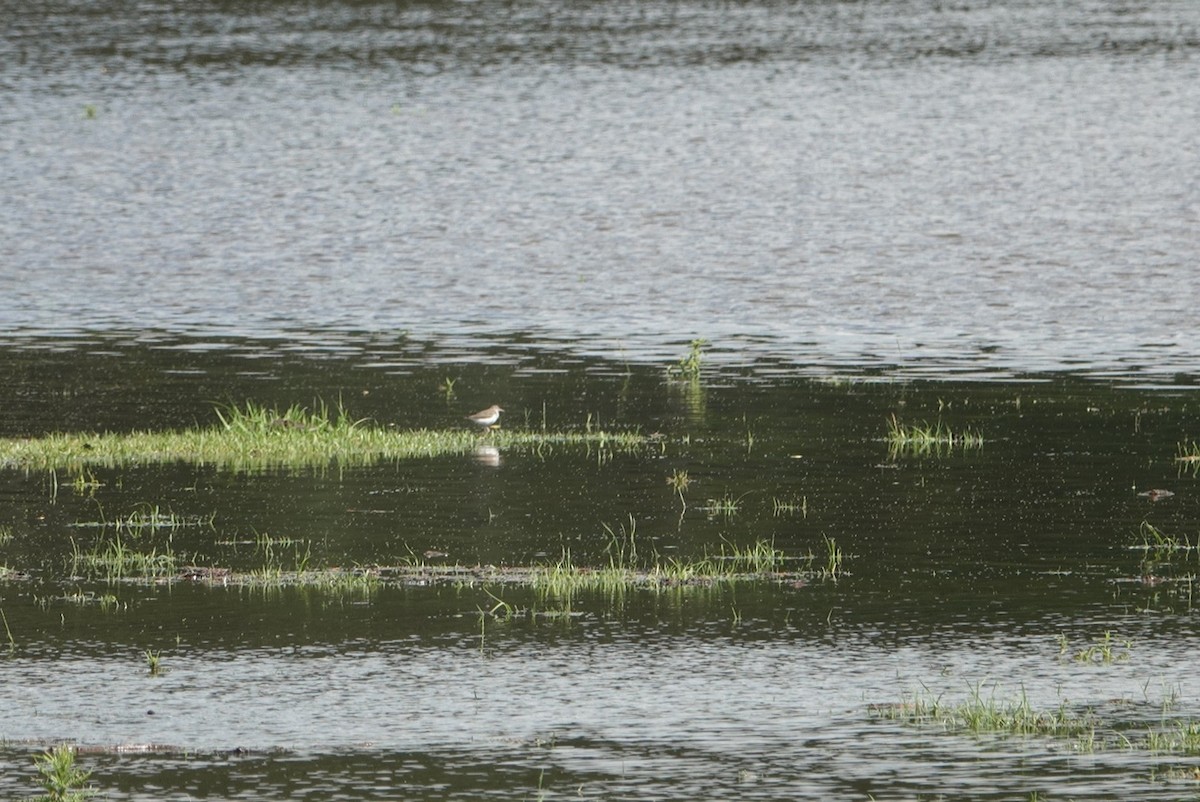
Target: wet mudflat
(1028, 571)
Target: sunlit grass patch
(1083, 731)
(690, 365)
(254, 436)
(626, 571)
(925, 438)
(980, 713)
(564, 578)
(1105, 650)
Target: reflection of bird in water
(486, 417)
(488, 455)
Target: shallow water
(963, 570)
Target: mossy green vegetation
(255, 437)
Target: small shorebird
(486, 417)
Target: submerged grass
(1105, 650)
(254, 436)
(781, 506)
(1180, 736)
(1086, 731)
(1162, 547)
(1188, 455)
(727, 505)
(114, 559)
(564, 578)
(146, 519)
(335, 581)
(626, 569)
(985, 714)
(105, 601)
(922, 439)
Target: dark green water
(963, 568)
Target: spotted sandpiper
(486, 417)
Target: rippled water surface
(1005, 184)
(983, 214)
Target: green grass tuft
(113, 560)
(1161, 547)
(254, 437)
(924, 439)
(62, 780)
(689, 366)
(1105, 650)
(984, 714)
